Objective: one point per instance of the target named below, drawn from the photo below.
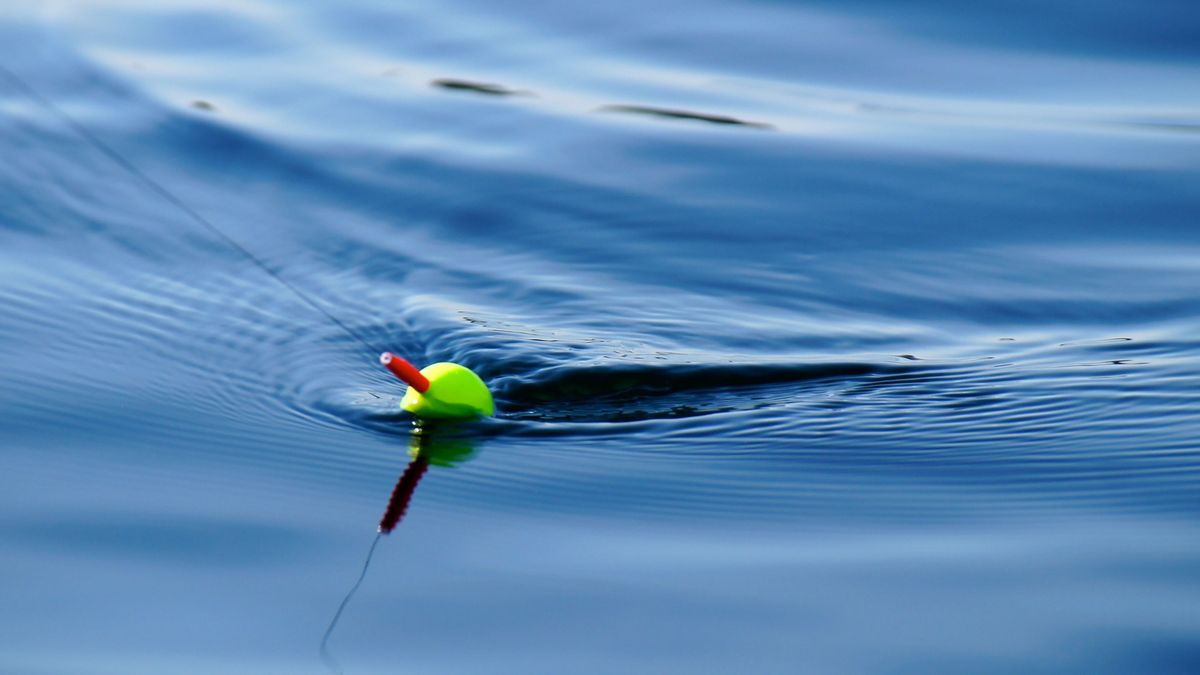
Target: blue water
(854, 337)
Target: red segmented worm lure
(402, 494)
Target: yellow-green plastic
(455, 393)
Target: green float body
(438, 449)
(455, 393)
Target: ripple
(634, 369)
(934, 331)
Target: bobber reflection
(426, 447)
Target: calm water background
(902, 377)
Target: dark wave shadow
(486, 88)
(675, 114)
(575, 383)
(638, 392)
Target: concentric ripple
(674, 320)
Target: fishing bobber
(442, 391)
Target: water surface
(826, 337)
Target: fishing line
(330, 662)
(397, 506)
(403, 492)
(158, 188)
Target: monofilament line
(331, 662)
(159, 189)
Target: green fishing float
(441, 391)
